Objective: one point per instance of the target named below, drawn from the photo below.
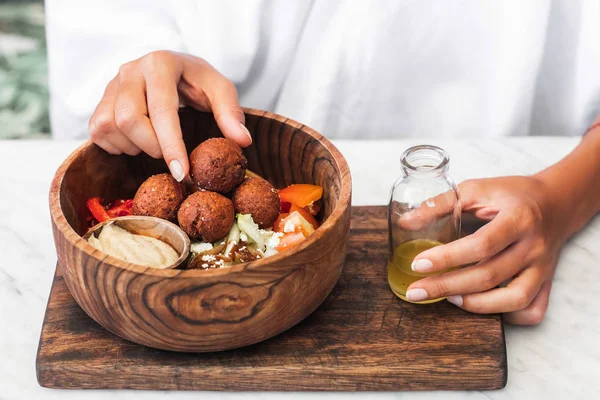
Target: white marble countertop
(558, 359)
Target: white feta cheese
(274, 239)
(288, 227)
(200, 247)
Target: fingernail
(176, 170)
(416, 295)
(246, 131)
(422, 265)
(457, 300)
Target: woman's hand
(138, 111)
(521, 244)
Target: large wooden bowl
(204, 310)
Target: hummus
(137, 249)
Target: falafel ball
(159, 196)
(218, 165)
(207, 216)
(257, 197)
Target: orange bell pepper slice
(301, 195)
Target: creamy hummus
(137, 249)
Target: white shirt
(353, 69)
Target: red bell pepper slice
(120, 208)
(97, 209)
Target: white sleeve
(567, 98)
(88, 41)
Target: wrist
(555, 204)
(571, 188)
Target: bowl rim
(65, 229)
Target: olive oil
(424, 212)
(400, 273)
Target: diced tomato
(295, 222)
(307, 216)
(301, 194)
(278, 226)
(289, 239)
(284, 207)
(97, 209)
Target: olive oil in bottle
(424, 212)
(400, 273)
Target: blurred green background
(23, 70)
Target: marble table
(558, 359)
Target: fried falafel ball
(257, 197)
(207, 216)
(218, 165)
(159, 196)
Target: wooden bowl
(204, 310)
(153, 227)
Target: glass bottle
(424, 212)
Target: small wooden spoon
(153, 227)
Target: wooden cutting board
(361, 338)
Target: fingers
(163, 105)
(516, 296)
(535, 312)
(139, 110)
(206, 89)
(477, 278)
(131, 112)
(106, 145)
(103, 129)
(488, 241)
(229, 115)
(429, 211)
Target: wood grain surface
(362, 338)
(204, 310)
